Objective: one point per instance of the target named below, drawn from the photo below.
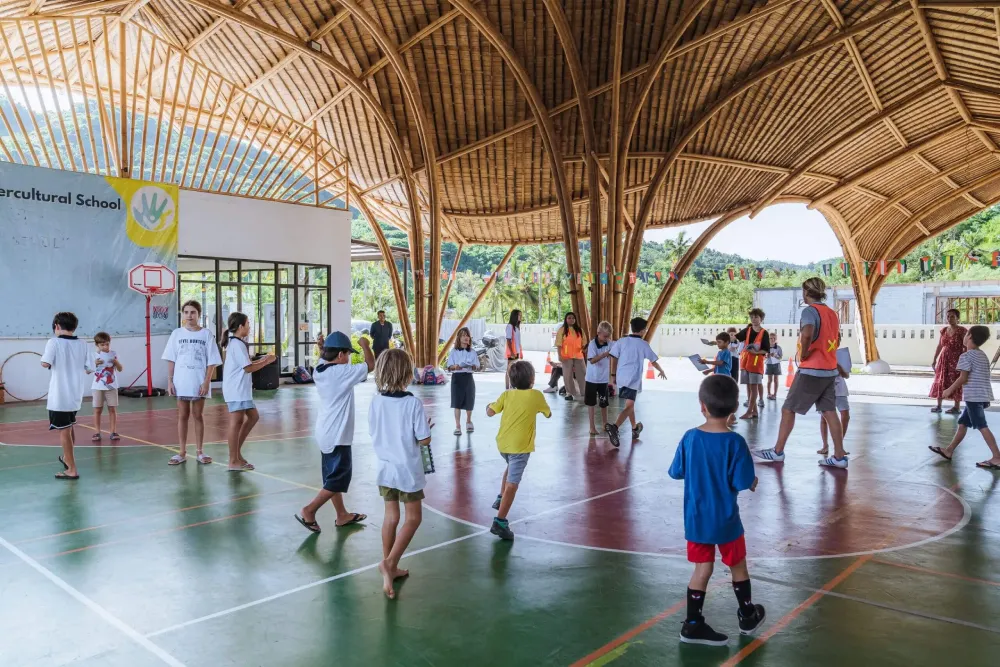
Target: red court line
(925, 570)
(639, 629)
(150, 516)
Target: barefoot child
(335, 379)
(598, 375)
(105, 387)
(516, 438)
(191, 355)
(399, 428)
(974, 381)
(723, 364)
(462, 361)
(66, 356)
(237, 388)
(773, 369)
(630, 352)
(715, 465)
(843, 406)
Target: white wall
(220, 226)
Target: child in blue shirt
(715, 465)
(723, 361)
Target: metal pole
(149, 352)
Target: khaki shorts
(809, 390)
(395, 495)
(108, 397)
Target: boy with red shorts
(716, 465)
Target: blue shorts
(337, 469)
(237, 406)
(516, 464)
(628, 394)
(974, 416)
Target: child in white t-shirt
(335, 378)
(105, 387)
(237, 388)
(772, 369)
(630, 352)
(191, 355)
(843, 406)
(598, 375)
(66, 356)
(399, 428)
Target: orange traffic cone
(548, 364)
(649, 371)
(790, 375)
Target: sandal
(246, 467)
(952, 411)
(63, 475)
(311, 526)
(936, 409)
(940, 452)
(469, 428)
(458, 431)
(176, 460)
(63, 462)
(205, 460)
(96, 437)
(985, 465)
(114, 437)
(357, 518)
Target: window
(288, 304)
(972, 309)
(845, 310)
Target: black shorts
(61, 420)
(337, 469)
(628, 394)
(734, 370)
(595, 393)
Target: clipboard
(696, 360)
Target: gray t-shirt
(977, 365)
(811, 316)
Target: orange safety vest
(512, 351)
(572, 345)
(752, 363)
(824, 349)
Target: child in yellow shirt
(516, 438)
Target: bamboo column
(613, 248)
(475, 303)
(451, 281)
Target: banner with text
(67, 241)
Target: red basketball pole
(149, 351)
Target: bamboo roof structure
(526, 121)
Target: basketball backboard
(152, 279)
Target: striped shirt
(978, 389)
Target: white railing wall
(898, 344)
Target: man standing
(381, 333)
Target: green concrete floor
(140, 564)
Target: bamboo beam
(292, 56)
(612, 246)
(131, 9)
(451, 281)
(475, 303)
(82, 8)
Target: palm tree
(543, 259)
(676, 247)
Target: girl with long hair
(462, 361)
(513, 335)
(569, 341)
(237, 388)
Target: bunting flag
(673, 276)
(777, 272)
(760, 272)
(631, 277)
(972, 256)
(743, 273)
(868, 268)
(901, 266)
(883, 267)
(732, 274)
(715, 274)
(828, 269)
(996, 259)
(948, 261)
(925, 265)
(659, 275)
(845, 268)
(604, 279)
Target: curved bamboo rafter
(547, 131)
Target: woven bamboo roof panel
(880, 113)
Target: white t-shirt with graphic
(236, 382)
(105, 375)
(192, 353)
(396, 422)
(630, 352)
(68, 358)
(335, 421)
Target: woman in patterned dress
(950, 347)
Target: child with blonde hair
(105, 387)
(598, 374)
(399, 428)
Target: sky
(783, 232)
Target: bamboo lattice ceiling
(879, 112)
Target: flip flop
(62, 475)
(96, 437)
(65, 467)
(935, 409)
(986, 465)
(357, 518)
(952, 411)
(940, 452)
(311, 526)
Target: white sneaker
(834, 462)
(549, 390)
(768, 456)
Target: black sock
(742, 590)
(696, 600)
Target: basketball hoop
(151, 280)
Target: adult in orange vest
(514, 351)
(756, 346)
(815, 380)
(569, 341)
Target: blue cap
(339, 341)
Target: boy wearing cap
(335, 379)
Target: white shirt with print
(192, 353)
(105, 374)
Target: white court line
(482, 530)
(122, 627)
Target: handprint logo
(152, 208)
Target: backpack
(301, 376)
